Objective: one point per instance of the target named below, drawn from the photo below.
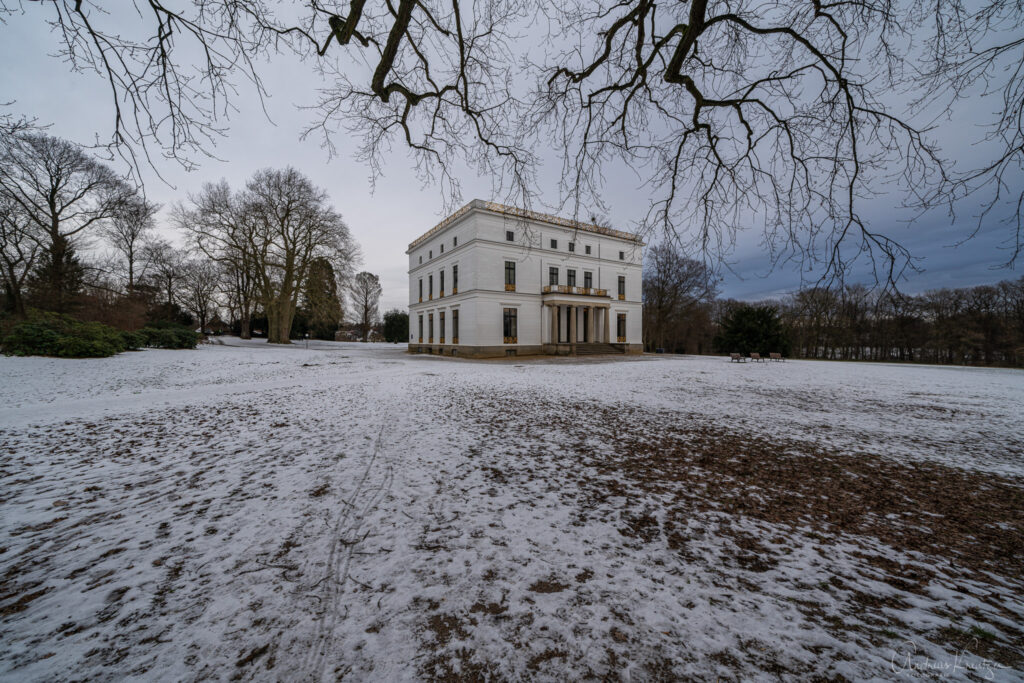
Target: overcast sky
(385, 219)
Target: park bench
(776, 356)
(735, 357)
(754, 356)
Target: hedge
(50, 334)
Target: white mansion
(493, 280)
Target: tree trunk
(246, 324)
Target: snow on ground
(350, 511)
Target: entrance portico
(570, 322)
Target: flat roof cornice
(494, 207)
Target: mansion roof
(479, 204)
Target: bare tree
(200, 283)
(365, 292)
(127, 231)
(275, 230)
(736, 114)
(225, 231)
(18, 252)
(674, 286)
(167, 269)
(63, 193)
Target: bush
(169, 336)
(133, 341)
(49, 334)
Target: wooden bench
(737, 358)
(754, 356)
(776, 356)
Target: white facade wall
(476, 243)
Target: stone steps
(596, 349)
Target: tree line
(77, 239)
(981, 325)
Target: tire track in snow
(344, 540)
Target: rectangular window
(430, 328)
(431, 254)
(430, 286)
(553, 276)
(441, 282)
(588, 279)
(442, 247)
(572, 246)
(510, 276)
(622, 287)
(586, 249)
(455, 327)
(455, 279)
(620, 327)
(570, 277)
(510, 236)
(510, 326)
(554, 244)
(455, 242)
(421, 328)
(440, 333)
(421, 258)
(421, 292)
(622, 256)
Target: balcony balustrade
(570, 289)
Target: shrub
(49, 334)
(168, 336)
(81, 347)
(133, 341)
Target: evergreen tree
(396, 326)
(748, 328)
(56, 281)
(321, 306)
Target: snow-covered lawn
(350, 511)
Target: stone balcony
(569, 289)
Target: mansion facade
(492, 280)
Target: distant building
(493, 280)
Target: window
(572, 246)
(441, 283)
(554, 244)
(622, 287)
(510, 326)
(455, 279)
(510, 236)
(440, 333)
(430, 286)
(421, 292)
(588, 279)
(442, 247)
(431, 254)
(570, 277)
(620, 327)
(430, 328)
(510, 276)
(586, 249)
(553, 276)
(455, 242)
(455, 327)
(622, 256)
(421, 328)
(421, 259)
